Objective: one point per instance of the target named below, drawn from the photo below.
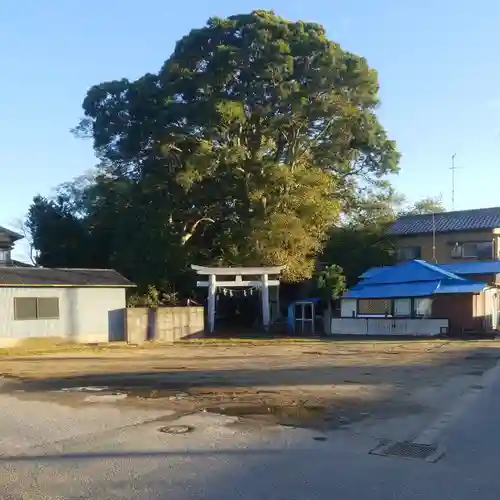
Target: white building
(77, 305)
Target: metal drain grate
(406, 449)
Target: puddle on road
(84, 389)
(176, 429)
(299, 415)
(148, 392)
(140, 392)
(105, 398)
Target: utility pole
(434, 260)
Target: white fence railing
(388, 326)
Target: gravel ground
(321, 385)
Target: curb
(433, 432)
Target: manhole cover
(176, 429)
(406, 449)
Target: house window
(408, 253)
(4, 256)
(36, 308)
(422, 308)
(25, 308)
(402, 307)
(374, 307)
(48, 308)
(473, 250)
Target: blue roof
(461, 220)
(478, 267)
(372, 271)
(460, 268)
(414, 278)
(465, 286)
(389, 291)
(408, 271)
(414, 289)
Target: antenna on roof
(453, 168)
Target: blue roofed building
(418, 298)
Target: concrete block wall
(175, 323)
(165, 324)
(136, 327)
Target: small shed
(77, 305)
(302, 317)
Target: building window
(408, 253)
(4, 255)
(422, 308)
(402, 307)
(48, 308)
(473, 250)
(374, 307)
(36, 308)
(25, 308)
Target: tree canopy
(247, 147)
(424, 206)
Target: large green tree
(259, 127)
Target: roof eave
(230, 271)
(61, 285)
(423, 233)
(12, 234)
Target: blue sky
(438, 67)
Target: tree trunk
(329, 322)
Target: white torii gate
(264, 283)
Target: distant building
(7, 240)
(464, 235)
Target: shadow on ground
(311, 388)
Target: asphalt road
(48, 451)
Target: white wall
(387, 326)
(13, 330)
(348, 308)
(85, 314)
(97, 313)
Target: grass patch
(250, 341)
(308, 340)
(34, 347)
(43, 346)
